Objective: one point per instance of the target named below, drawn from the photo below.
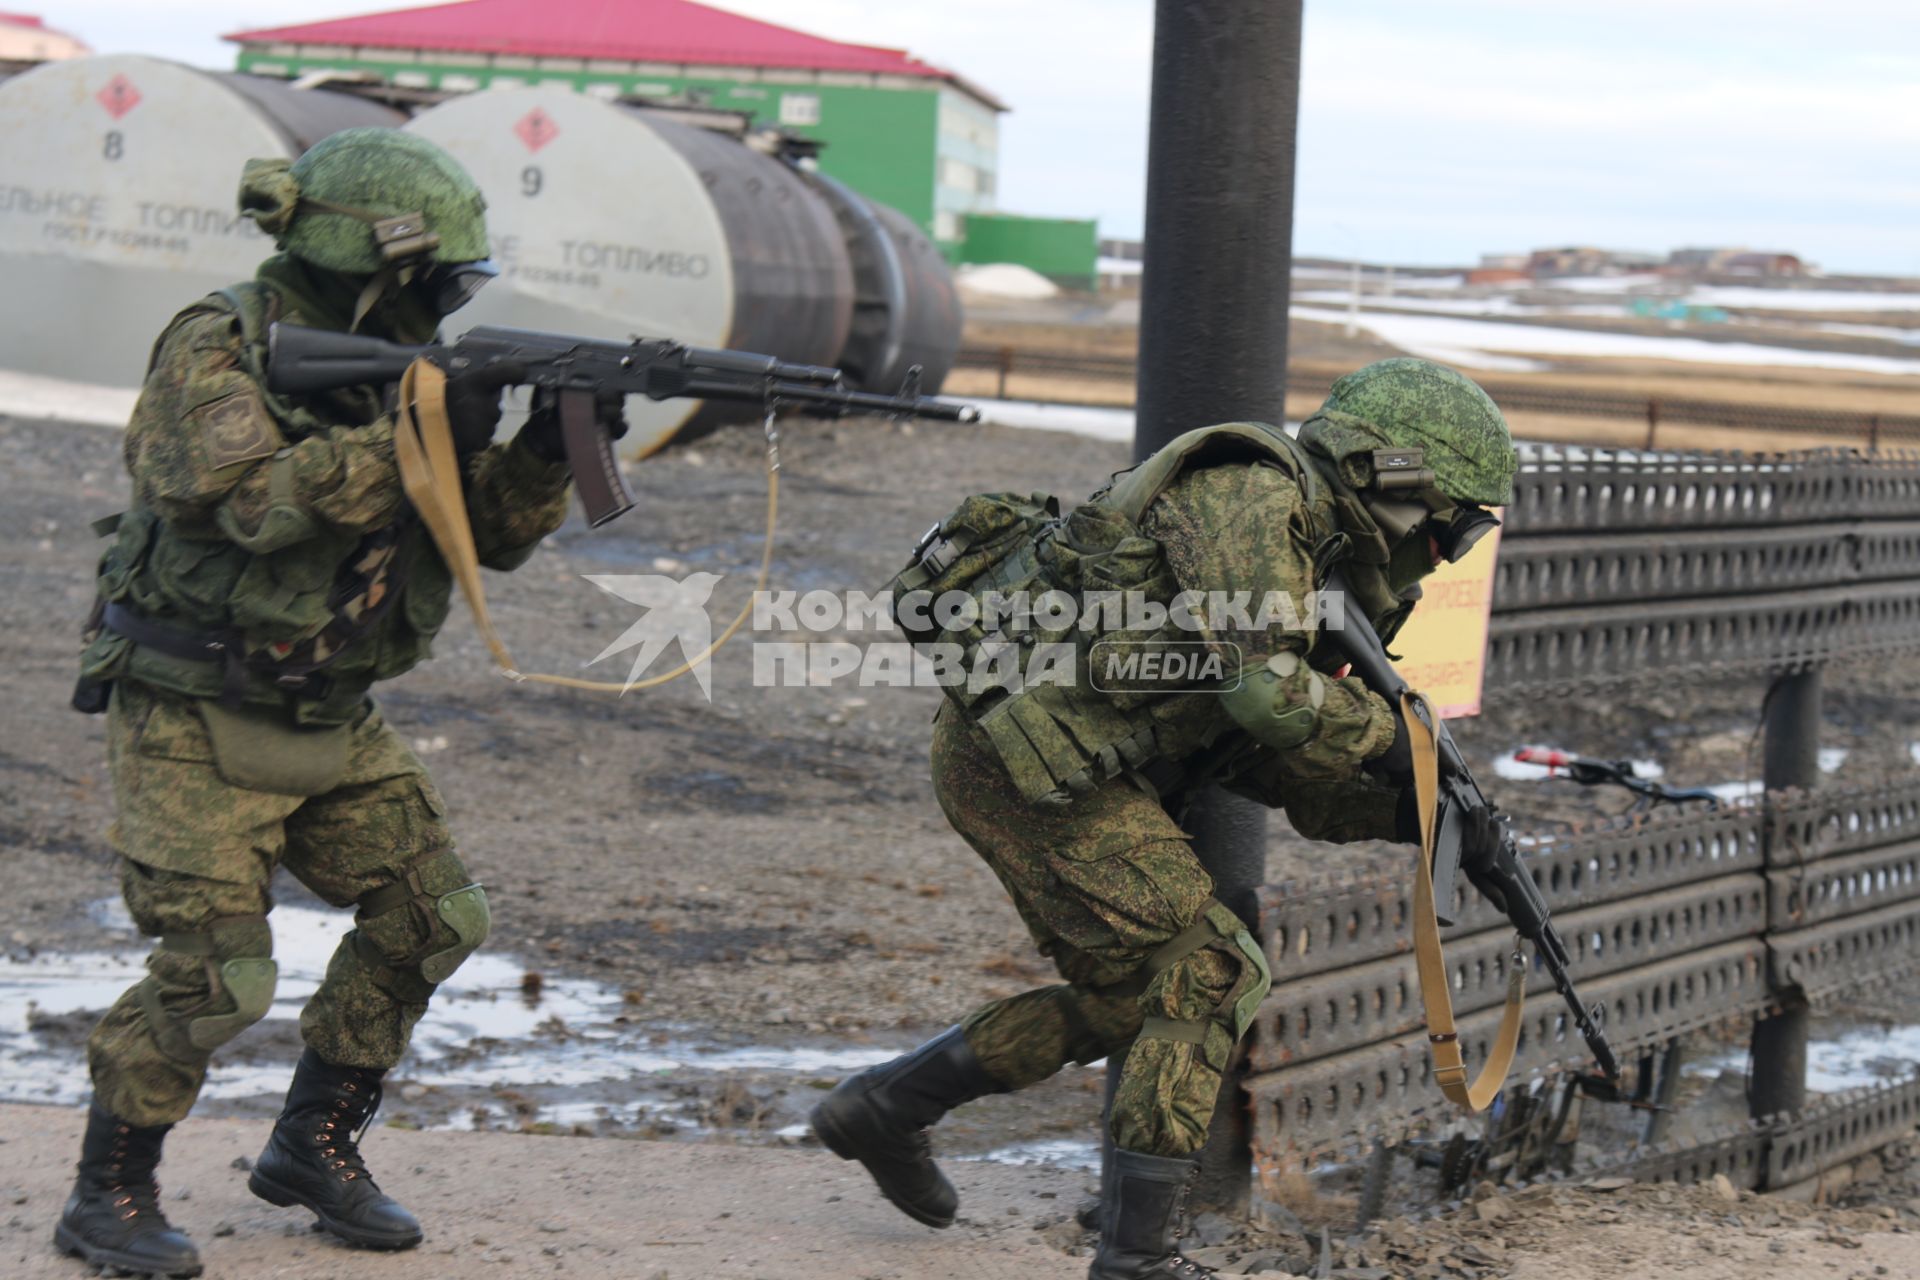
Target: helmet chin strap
(384, 282)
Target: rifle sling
(430, 475)
(1436, 987)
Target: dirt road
(511, 1205)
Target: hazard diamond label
(118, 96)
(536, 129)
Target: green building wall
(879, 141)
(1065, 250)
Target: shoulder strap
(1436, 986)
(250, 302)
(1134, 491)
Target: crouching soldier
(1074, 794)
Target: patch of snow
(1803, 299)
(30, 395)
(1852, 1060)
(1469, 342)
(1831, 758)
(1885, 332)
(1006, 280)
(1494, 304)
(1079, 420)
(1059, 1152)
(1598, 284)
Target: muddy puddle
(501, 1047)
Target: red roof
(625, 30)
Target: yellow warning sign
(1445, 639)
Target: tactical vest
(1059, 739)
(310, 617)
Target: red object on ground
(1543, 755)
(675, 31)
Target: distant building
(1749, 263)
(1736, 261)
(901, 131)
(1585, 260)
(24, 37)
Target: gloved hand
(1482, 831)
(473, 404)
(542, 435)
(1395, 764)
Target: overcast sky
(1429, 132)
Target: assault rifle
(1497, 873)
(1618, 773)
(303, 361)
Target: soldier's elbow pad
(1278, 704)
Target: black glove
(1395, 764)
(542, 435)
(473, 404)
(1483, 830)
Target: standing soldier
(1074, 795)
(268, 573)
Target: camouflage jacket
(281, 521)
(1235, 530)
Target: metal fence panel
(1347, 1008)
(1844, 886)
(1310, 929)
(1327, 1103)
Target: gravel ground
(512, 1205)
(769, 867)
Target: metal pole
(1792, 759)
(1213, 338)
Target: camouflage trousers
(1103, 884)
(198, 854)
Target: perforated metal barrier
(1617, 567)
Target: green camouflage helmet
(342, 205)
(1417, 404)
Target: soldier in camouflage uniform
(1074, 796)
(268, 573)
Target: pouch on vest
(255, 748)
(978, 534)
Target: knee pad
(237, 956)
(1221, 930)
(465, 913)
(448, 927)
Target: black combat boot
(113, 1217)
(313, 1157)
(1140, 1220)
(880, 1118)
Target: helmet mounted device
(1403, 498)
